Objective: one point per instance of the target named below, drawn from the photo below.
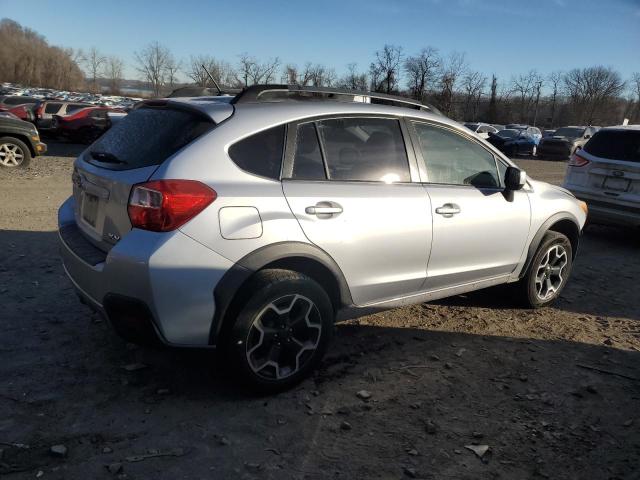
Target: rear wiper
(105, 157)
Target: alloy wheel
(11, 155)
(283, 337)
(549, 274)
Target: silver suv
(253, 224)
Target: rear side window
(615, 145)
(147, 136)
(261, 153)
(364, 149)
(307, 161)
(52, 108)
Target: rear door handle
(448, 210)
(323, 208)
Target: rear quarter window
(615, 145)
(52, 108)
(147, 136)
(261, 153)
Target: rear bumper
(606, 212)
(148, 282)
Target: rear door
(127, 154)
(479, 231)
(349, 183)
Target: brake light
(164, 205)
(577, 161)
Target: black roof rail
(270, 92)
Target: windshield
(569, 132)
(509, 133)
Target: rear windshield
(147, 136)
(615, 145)
(569, 132)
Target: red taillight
(164, 205)
(577, 161)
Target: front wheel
(549, 271)
(282, 332)
(14, 153)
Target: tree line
(595, 95)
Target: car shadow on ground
(548, 408)
(58, 148)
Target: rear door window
(52, 108)
(364, 149)
(261, 153)
(74, 108)
(147, 136)
(615, 145)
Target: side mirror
(587, 136)
(514, 178)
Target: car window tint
(615, 145)
(452, 159)
(364, 149)
(261, 153)
(307, 161)
(52, 107)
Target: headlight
(584, 207)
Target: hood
(561, 139)
(16, 122)
(544, 186)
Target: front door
(349, 184)
(479, 230)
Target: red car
(21, 106)
(84, 126)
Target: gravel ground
(554, 393)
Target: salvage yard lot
(554, 393)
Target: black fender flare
(234, 278)
(542, 231)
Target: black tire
(529, 288)
(8, 144)
(308, 323)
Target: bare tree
(554, 79)
(421, 71)
(353, 79)
(591, 89)
(527, 88)
(220, 70)
(492, 111)
(113, 72)
(152, 65)
(173, 66)
(473, 84)
(385, 71)
(94, 61)
(450, 72)
(252, 72)
(635, 87)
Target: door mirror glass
(514, 178)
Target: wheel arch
(229, 294)
(563, 222)
(23, 138)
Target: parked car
(514, 142)
(9, 101)
(498, 127)
(47, 109)
(481, 129)
(606, 174)
(548, 133)
(19, 142)
(252, 226)
(23, 112)
(84, 125)
(565, 142)
(534, 132)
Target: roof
(622, 127)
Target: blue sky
(504, 37)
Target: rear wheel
(282, 332)
(14, 153)
(548, 273)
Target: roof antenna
(212, 79)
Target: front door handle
(448, 210)
(324, 209)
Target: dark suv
(19, 142)
(565, 141)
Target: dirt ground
(553, 393)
